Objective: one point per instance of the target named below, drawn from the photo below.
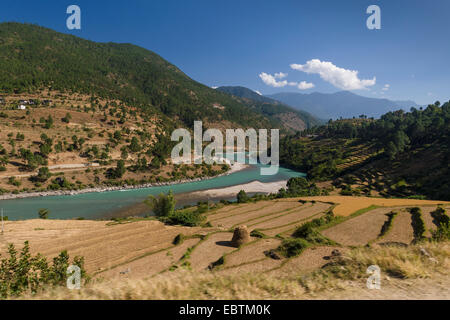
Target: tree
(242, 197)
(155, 163)
(124, 153)
(117, 135)
(120, 169)
(43, 174)
(134, 145)
(48, 123)
(43, 213)
(163, 205)
(296, 185)
(391, 150)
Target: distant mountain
(340, 104)
(288, 117)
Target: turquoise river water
(98, 205)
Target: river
(98, 205)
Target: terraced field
(143, 248)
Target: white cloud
(280, 75)
(214, 87)
(386, 87)
(339, 77)
(258, 92)
(270, 80)
(303, 85)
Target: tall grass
(350, 270)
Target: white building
(21, 107)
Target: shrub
(293, 247)
(185, 218)
(27, 274)
(163, 205)
(257, 234)
(443, 221)
(388, 223)
(417, 223)
(43, 175)
(299, 187)
(178, 239)
(43, 213)
(242, 197)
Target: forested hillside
(401, 154)
(34, 58)
(289, 117)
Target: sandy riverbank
(234, 168)
(251, 187)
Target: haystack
(240, 236)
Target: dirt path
(436, 288)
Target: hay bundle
(240, 236)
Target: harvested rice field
(401, 231)
(348, 204)
(143, 248)
(252, 252)
(249, 215)
(309, 260)
(360, 230)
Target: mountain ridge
(290, 117)
(343, 104)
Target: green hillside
(402, 154)
(288, 117)
(33, 58)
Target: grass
(407, 263)
(258, 234)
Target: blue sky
(233, 42)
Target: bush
(293, 247)
(178, 239)
(388, 224)
(43, 175)
(43, 213)
(185, 218)
(27, 274)
(299, 187)
(443, 221)
(163, 205)
(257, 234)
(417, 223)
(242, 197)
